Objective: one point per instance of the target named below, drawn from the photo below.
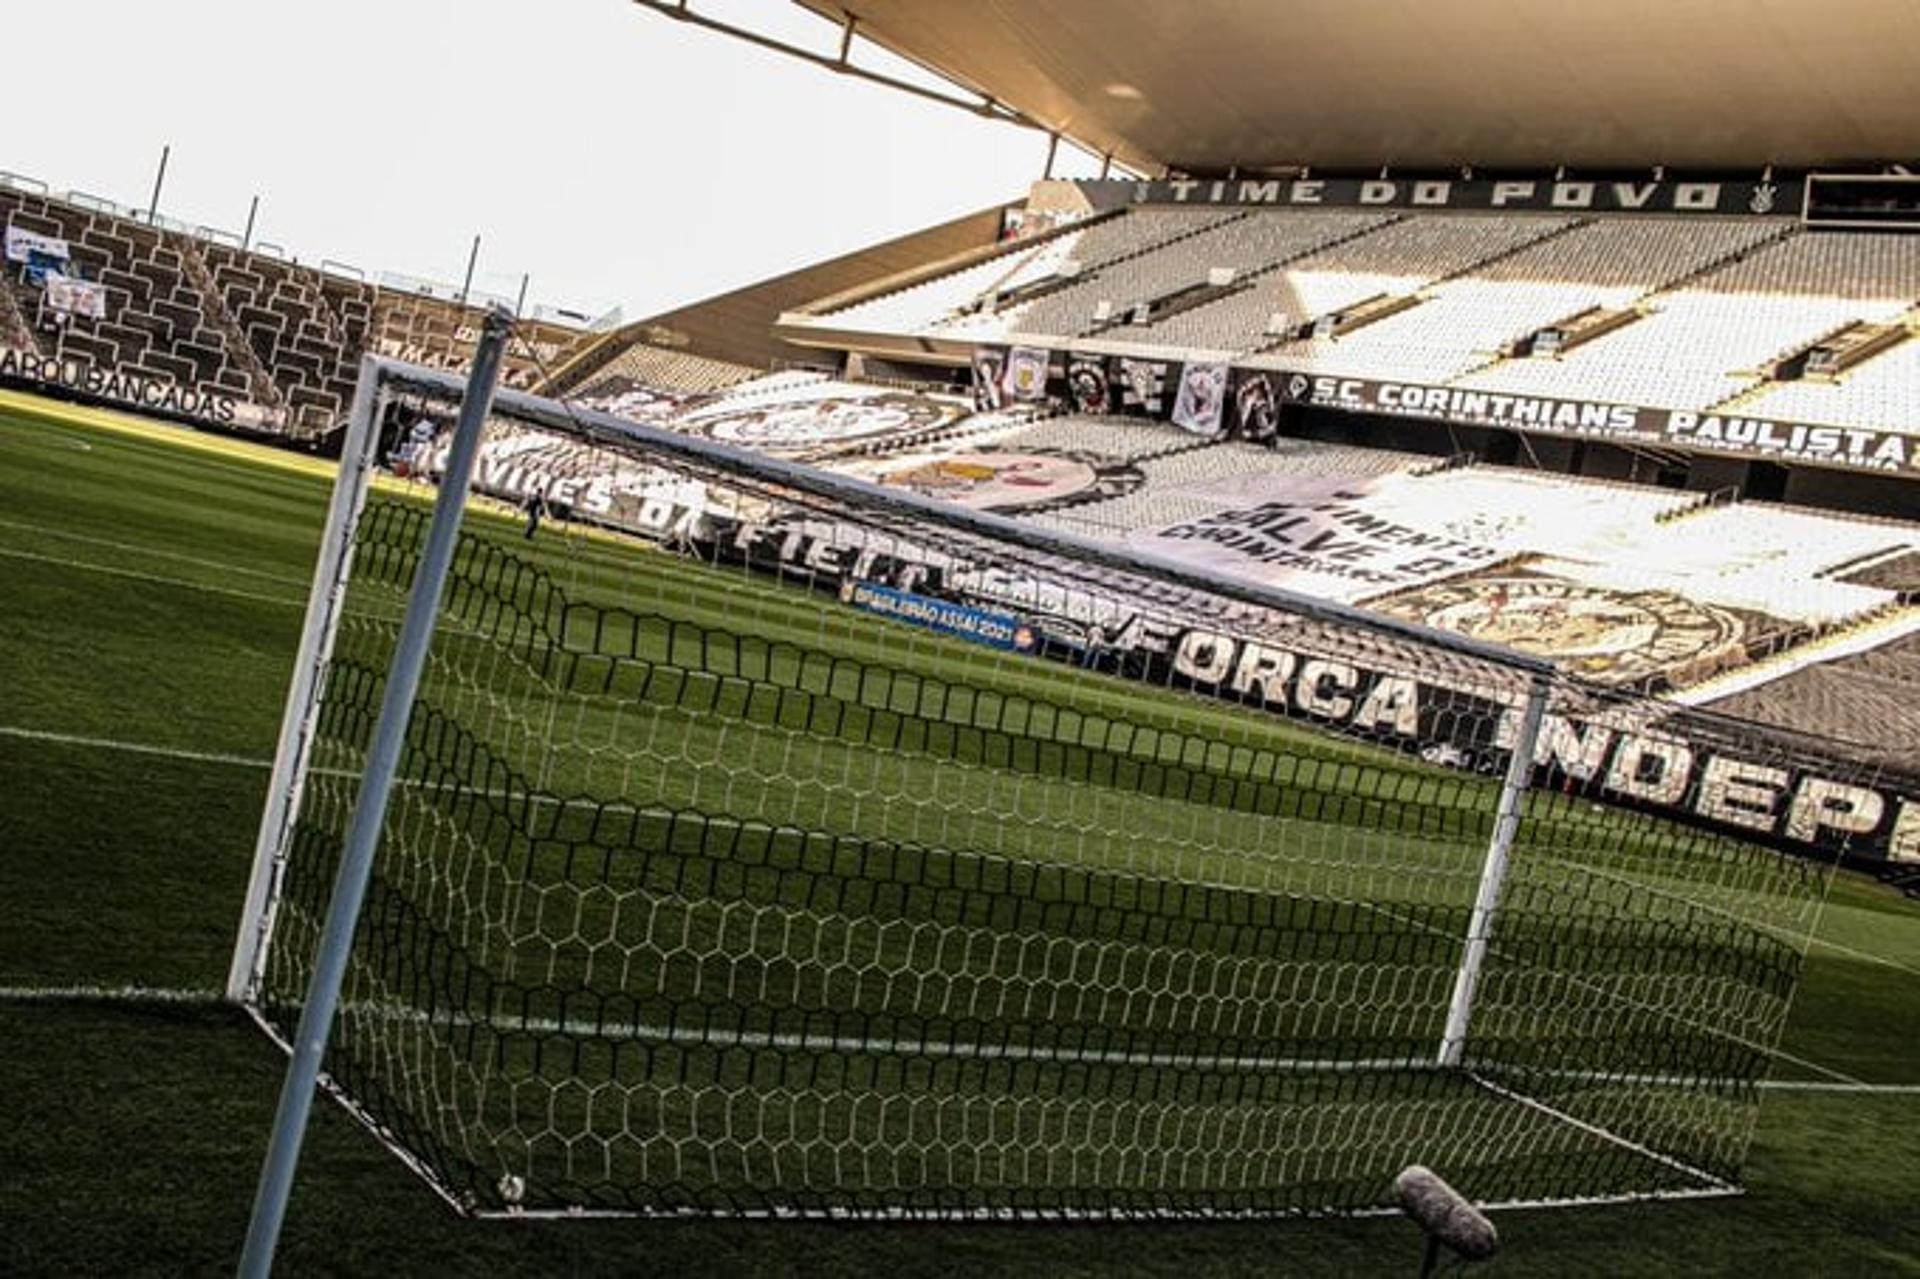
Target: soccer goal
(766, 841)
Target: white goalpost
(740, 837)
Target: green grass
(122, 868)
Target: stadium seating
(1107, 436)
(1249, 242)
(158, 321)
(1394, 259)
(1895, 571)
(186, 307)
(1878, 392)
(1703, 343)
(1475, 318)
(1712, 303)
(423, 329)
(1718, 300)
(294, 330)
(1863, 698)
(1179, 483)
(669, 370)
(924, 305)
(1532, 512)
(1080, 252)
(15, 332)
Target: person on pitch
(1096, 645)
(535, 506)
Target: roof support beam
(683, 11)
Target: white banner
(76, 297)
(21, 243)
(1202, 398)
(1026, 374)
(1316, 536)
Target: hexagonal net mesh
(801, 856)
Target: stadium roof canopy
(1202, 85)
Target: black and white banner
(1005, 479)
(1087, 387)
(1704, 197)
(1662, 767)
(1854, 447)
(1606, 634)
(1142, 385)
(1201, 403)
(989, 365)
(1665, 763)
(152, 394)
(1199, 395)
(1256, 406)
(633, 399)
(821, 419)
(578, 481)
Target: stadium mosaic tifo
(736, 881)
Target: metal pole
(363, 833)
(520, 304)
(1493, 874)
(324, 600)
(1053, 149)
(473, 257)
(159, 180)
(253, 211)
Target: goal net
(767, 841)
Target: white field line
(157, 579)
(119, 996)
(1790, 936)
(151, 996)
(1687, 1020)
(134, 548)
(132, 748)
(1593, 1130)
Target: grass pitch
(152, 586)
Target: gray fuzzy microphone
(1446, 1216)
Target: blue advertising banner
(996, 630)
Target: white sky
(617, 156)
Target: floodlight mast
(363, 835)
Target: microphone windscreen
(1444, 1213)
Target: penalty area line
(157, 579)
